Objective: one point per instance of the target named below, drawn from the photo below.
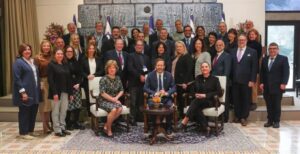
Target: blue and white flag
(151, 25)
(192, 25)
(107, 31)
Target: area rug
(231, 139)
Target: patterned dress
(112, 87)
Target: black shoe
(207, 132)
(70, 127)
(66, 132)
(268, 124)
(79, 126)
(133, 122)
(169, 131)
(60, 134)
(181, 127)
(253, 106)
(276, 125)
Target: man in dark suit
(128, 41)
(244, 70)
(72, 29)
(146, 51)
(274, 76)
(222, 34)
(155, 36)
(138, 66)
(221, 66)
(163, 37)
(121, 57)
(188, 40)
(110, 43)
(161, 83)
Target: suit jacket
(223, 65)
(113, 55)
(189, 47)
(184, 69)
(135, 68)
(279, 74)
(245, 70)
(110, 45)
(130, 41)
(23, 77)
(151, 84)
(86, 69)
(66, 39)
(170, 48)
(147, 50)
(154, 37)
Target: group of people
(158, 64)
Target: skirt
(76, 102)
(108, 106)
(45, 105)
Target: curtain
(21, 25)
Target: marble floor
(285, 140)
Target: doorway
(286, 35)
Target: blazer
(75, 71)
(135, 68)
(147, 50)
(245, 70)
(190, 48)
(59, 79)
(209, 86)
(184, 69)
(170, 48)
(86, 69)
(154, 37)
(110, 45)
(67, 37)
(23, 77)
(279, 74)
(223, 65)
(113, 55)
(151, 83)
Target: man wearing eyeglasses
(274, 76)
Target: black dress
(209, 86)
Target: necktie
(159, 83)
(271, 63)
(120, 58)
(240, 54)
(187, 42)
(215, 60)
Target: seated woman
(205, 87)
(111, 90)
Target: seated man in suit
(161, 83)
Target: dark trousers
(136, 102)
(27, 115)
(194, 113)
(273, 102)
(241, 99)
(72, 117)
(180, 100)
(87, 97)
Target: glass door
(284, 36)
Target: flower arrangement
(241, 27)
(54, 31)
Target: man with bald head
(72, 30)
(59, 43)
(221, 66)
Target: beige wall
(237, 11)
(61, 12)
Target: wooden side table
(158, 113)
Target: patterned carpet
(136, 140)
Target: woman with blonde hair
(41, 61)
(75, 43)
(182, 70)
(111, 90)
